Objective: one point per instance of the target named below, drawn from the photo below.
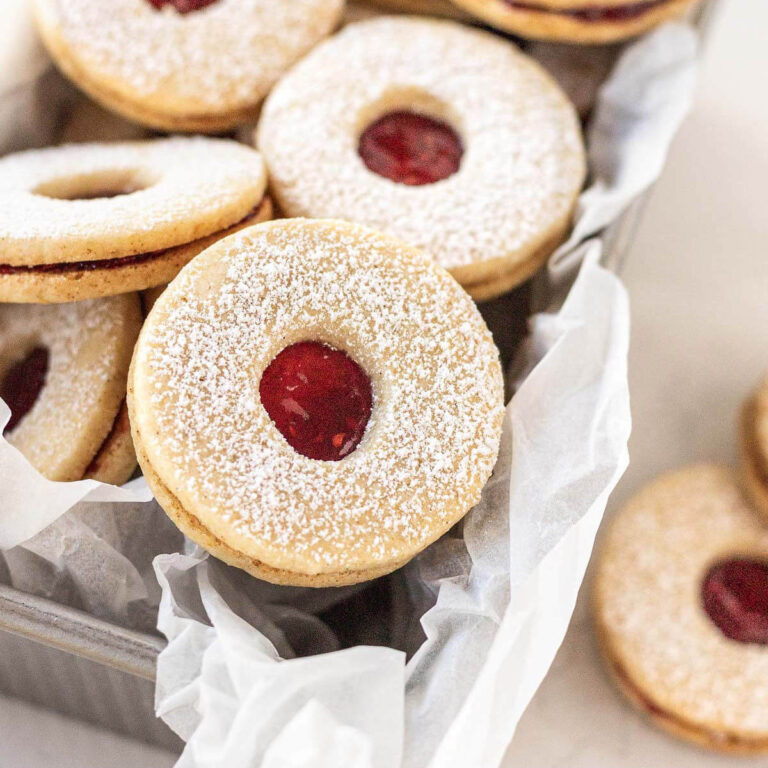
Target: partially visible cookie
(754, 447)
(88, 220)
(681, 609)
(63, 373)
(576, 21)
(182, 65)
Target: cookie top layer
(433, 434)
(222, 58)
(523, 162)
(86, 202)
(650, 608)
(89, 345)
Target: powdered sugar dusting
(649, 582)
(186, 188)
(434, 431)
(523, 163)
(224, 57)
(88, 343)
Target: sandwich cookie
(445, 136)
(182, 65)
(681, 605)
(576, 21)
(63, 372)
(89, 220)
(315, 402)
(754, 448)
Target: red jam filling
(735, 596)
(594, 13)
(22, 383)
(410, 148)
(319, 398)
(183, 6)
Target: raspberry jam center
(735, 596)
(182, 6)
(319, 398)
(410, 148)
(22, 383)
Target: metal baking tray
(64, 659)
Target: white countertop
(697, 275)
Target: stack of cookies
(681, 597)
(316, 398)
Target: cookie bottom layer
(193, 529)
(529, 20)
(507, 280)
(669, 722)
(115, 460)
(46, 285)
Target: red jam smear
(22, 384)
(595, 13)
(735, 596)
(319, 398)
(410, 148)
(183, 6)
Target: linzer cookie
(754, 448)
(681, 601)
(315, 402)
(63, 372)
(182, 65)
(447, 137)
(576, 21)
(89, 220)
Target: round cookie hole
(21, 384)
(94, 186)
(734, 595)
(182, 6)
(411, 148)
(319, 399)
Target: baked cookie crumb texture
(681, 605)
(336, 402)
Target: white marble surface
(698, 276)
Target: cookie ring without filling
(76, 425)
(88, 220)
(522, 163)
(136, 58)
(244, 493)
(576, 21)
(655, 625)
